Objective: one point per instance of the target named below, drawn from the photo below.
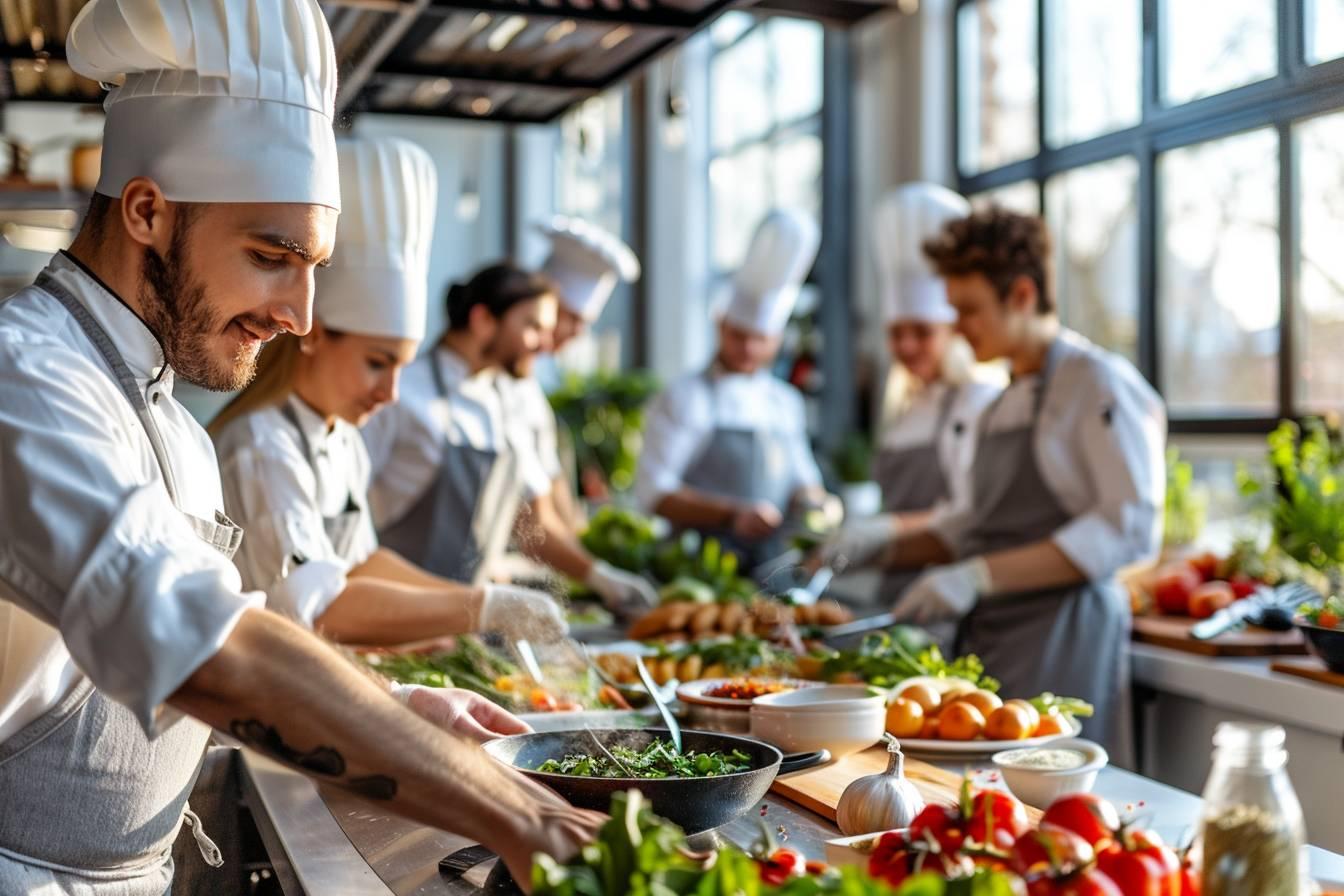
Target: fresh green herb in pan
(657, 760)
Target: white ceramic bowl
(842, 732)
(824, 699)
(1041, 787)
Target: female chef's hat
(902, 221)
(215, 100)
(766, 287)
(586, 263)
(377, 282)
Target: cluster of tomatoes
(1080, 848)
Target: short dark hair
(100, 209)
(1001, 245)
(498, 287)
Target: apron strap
(120, 372)
(209, 850)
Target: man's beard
(176, 309)
(517, 365)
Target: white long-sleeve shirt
(280, 497)
(405, 439)
(100, 574)
(1100, 446)
(681, 420)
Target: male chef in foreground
(127, 637)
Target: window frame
(1297, 91)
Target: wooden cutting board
(1174, 632)
(819, 789)
(1311, 669)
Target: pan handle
(462, 861)
(796, 762)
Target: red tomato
(1149, 843)
(1175, 583)
(1206, 564)
(1050, 851)
(1087, 815)
(1006, 815)
(1209, 598)
(939, 824)
(1242, 585)
(1089, 883)
(1133, 873)
(1189, 881)
(1328, 619)
(782, 865)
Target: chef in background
(456, 466)
(128, 635)
(926, 434)
(295, 470)
(726, 449)
(1067, 485)
(585, 263)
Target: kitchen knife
(1229, 618)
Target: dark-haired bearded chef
(128, 634)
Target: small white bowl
(1040, 787)
(828, 698)
(842, 732)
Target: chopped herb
(657, 760)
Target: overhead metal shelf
(490, 60)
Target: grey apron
(462, 522)
(913, 480)
(1072, 641)
(341, 529)
(745, 465)
(124, 795)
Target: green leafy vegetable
(603, 416)
(1186, 505)
(657, 760)
(622, 537)
(885, 659)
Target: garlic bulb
(882, 802)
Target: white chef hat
(902, 221)
(586, 263)
(216, 100)
(766, 286)
(377, 281)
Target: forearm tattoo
(325, 762)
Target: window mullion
(1288, 265)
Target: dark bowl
(1325, 643)
(695, 804)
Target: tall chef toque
(902, 221)
(586, 263)
(377, 282)
(215, 100)
(766, 286)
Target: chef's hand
(861, 542)
(522, 613)
(553, 827)
(622, 592)
(946, 593)
(461, 712)
(754, 522)
(827, 506)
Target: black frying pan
(695, 804)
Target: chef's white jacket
(1100, 446)
(405, 440)
(100, 574)
(280, 498)
(918, 426)
(681, 419)
(536, 420)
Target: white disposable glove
(946, 593)
(462, 712)
(522, 613)
(830, 507)
(859, 543)
(622, 592)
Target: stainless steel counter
(372, 853)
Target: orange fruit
(905, 718)
(961, 721)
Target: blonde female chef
(295, 470)
(726, 450)
(1067, 486)
(926, 439)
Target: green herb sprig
(657, 760)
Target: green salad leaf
(657, 760)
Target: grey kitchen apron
(463, 520)
(342, 528)
(745, 465)
(123, 796)
(1071, 641)
(912, 479)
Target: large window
(1191, 166)
(766, 81)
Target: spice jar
(1251, 836)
